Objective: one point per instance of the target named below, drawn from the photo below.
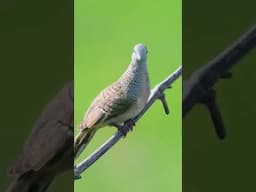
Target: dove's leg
(126, 127)
(130, 124)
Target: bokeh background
(37, 61)
(149, 159)
(210, 164)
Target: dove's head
(139, 52)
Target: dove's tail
(30, 182)
(82, 140)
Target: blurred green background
(210, 164)
(36, 62)
(149, 159)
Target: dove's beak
(138, 57)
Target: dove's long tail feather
(30, 182)
(82, 140)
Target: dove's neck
(136, 71)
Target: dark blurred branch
(198, 88)
(156, 93)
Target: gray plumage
(48, 150)
(119, 102)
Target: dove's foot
(126, 127)
(129, 124)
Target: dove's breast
(138, 92)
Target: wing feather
(110, 103)
(52, 131)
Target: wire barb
(164, 103)
(199, 86)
